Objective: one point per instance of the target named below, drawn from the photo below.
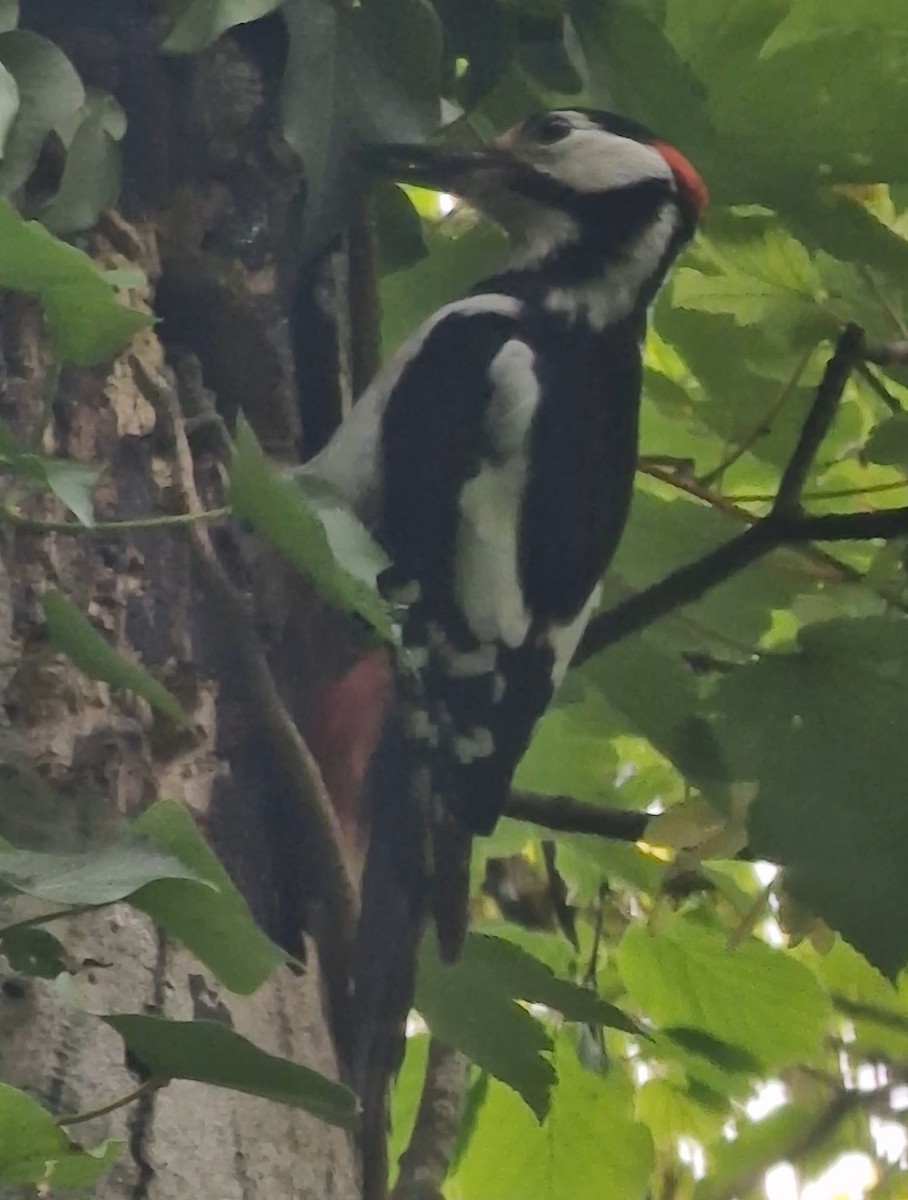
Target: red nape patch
(343, 737)
(690, 182)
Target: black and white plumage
(494, 455)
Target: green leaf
(393, 52)
(50, 91)
(752, 997)
(76, 637)
(664, 534)
(654, 693)
(810, 20)
(9, 15)
(203, 21)
(670, 1111)
(473, 1006)
(353, 547)
(520, 976)
(210, 1053)
(33, 951)
(74, 484)
(452, 266)
(100, 876)
(822, 732)
(724, 1054)
(213, 922)
(479, 1015)
(278, 508)
(757, 273)
(91, 174)
(667, 95)
(9, 105)
(589, 1147)
(880, 1020)
(71, 482)
(86, 322)
(34, 1149)
(398, 228)
(570, 753)
(406, 1092)
(888, 443)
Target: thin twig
(785, 525)
(762, 427)
(874, 284)
(848, 351)
(568, 815)
(876, 384)
(9, 516)
(830, 568)
(425, 1162)
(589, 975)
(692, 581)
(681, 587)
(826, 494)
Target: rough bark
(209, 212)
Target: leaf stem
(144, 1089)
(569, 815)
(171, 521)
(762, 427)
(785, 525)
(829, 494)
(848, 352)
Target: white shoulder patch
(487, 579)
(350, 462)
(564, 639)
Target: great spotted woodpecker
(493, 457)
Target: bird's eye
(551, 128)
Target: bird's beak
(433, 166)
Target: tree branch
(848, 352)
(785, 525)
(567, 815)
(424, 1164)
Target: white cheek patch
(591, 160)
(544, 230)
(487, 580)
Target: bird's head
(561, 177)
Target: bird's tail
(417, 866)
(452, 848)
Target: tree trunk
(209, 211)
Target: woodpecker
(493, 458)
